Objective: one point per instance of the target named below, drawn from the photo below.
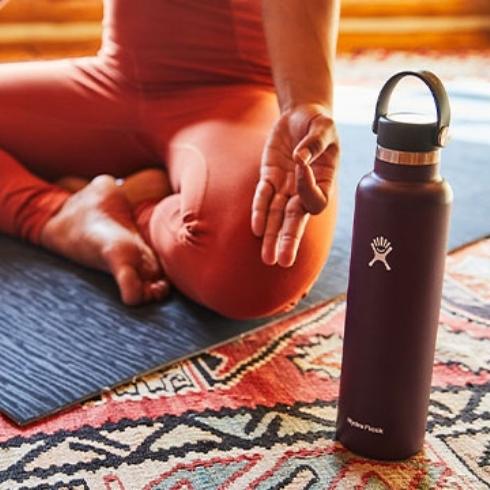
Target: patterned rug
(260, 413)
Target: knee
(215, 259)
(239, 285)
(243, 297)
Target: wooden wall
(52, 28)
(49, 28)
(444, 25)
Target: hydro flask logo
(362, 426)
(381, 248)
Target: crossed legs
(55, 121)
(65, 118)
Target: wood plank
(40, 28)
(46, 51)
(51, 11)
(15, 33)
(85, 10)
(46, 32)
(400, 8)
(347, 44)
(462, 41)
(415, 25)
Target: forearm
(302, 37)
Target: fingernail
(305, 155)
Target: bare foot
(72, 184)
(147, 184)
(95, 228)
(151, 183)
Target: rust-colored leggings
(89, 116)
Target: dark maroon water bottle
(395, 282)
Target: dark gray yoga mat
(64, 335)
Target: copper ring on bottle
(408, 157)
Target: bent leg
(202, 234)
(58, 118)
(26, 201)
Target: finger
(316, 156)
(315, 183)
(274, 223)
(321, 133)
(302, 156)
(260, 206)
(313, 198)
(295, 220)
(325, 168)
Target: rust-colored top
(186, 40)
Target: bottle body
(395, 285)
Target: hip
(185, 41)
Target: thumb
(316, 140)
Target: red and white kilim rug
(260, 413)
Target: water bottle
(399, 245)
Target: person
(232, 99)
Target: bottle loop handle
(438, 93)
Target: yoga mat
(64, 335)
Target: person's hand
(296, 178)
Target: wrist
(290, 103)
(292, 94)
(308, 106)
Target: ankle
(48, 234)
(142, 215)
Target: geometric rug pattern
(260, 412)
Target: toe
(155, 291)
(72, 184)
(130, 285)
(135, 268)
(160, 290)
(149, 266)
(104, 181)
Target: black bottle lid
(410, 131)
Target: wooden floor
(52, 28)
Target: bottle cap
(412, 132)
